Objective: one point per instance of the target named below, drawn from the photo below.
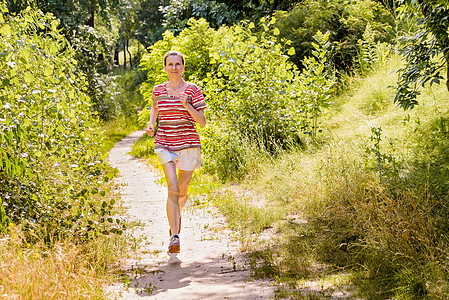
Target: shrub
(255, 94)
(50, 159)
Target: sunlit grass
(115, 130)
(334, 189)
(143, 147)
(66, 271)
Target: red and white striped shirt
(176, 129)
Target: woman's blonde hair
(173, 52)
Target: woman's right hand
(150, 130)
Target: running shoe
(175, 244)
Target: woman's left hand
(183, 97)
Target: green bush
(254, 93)
(51, 165)
(121, 97)
(195, 42)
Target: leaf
(47, 72)
(28, 77)
(291, 51)
(5, 30)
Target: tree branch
(447, 73)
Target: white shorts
(187, 159)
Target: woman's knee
(173, 189)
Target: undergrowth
(362, 213)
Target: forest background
(347, 97)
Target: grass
(67, 271)
(143, 147)
(116, 129)
(358, 219)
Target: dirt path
(205, 267)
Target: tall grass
(116, 129)
(66, 271)
(389, 227)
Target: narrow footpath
(209, 265)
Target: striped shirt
(176, 129)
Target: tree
(128, 26)
(425, 49)
(71, 13)
(150, 18)
(345, 20)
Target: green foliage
(120, 95)
(195, 43)
(344, 20)
(367, 54)
(382, 162)
(150, 18)
(51, 166)
(71, 13)
(217, 13)
(424, 50)
(255, 95)
(228, 155)
(252, 89)
(143, 147)
(318, 82)
(78, 20)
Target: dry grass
(65, 272)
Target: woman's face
(173, 66)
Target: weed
(382, 161)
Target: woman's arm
(153, 116)
(198, 115)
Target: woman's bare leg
(173, 208)
(184, 178)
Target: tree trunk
(124, 55)
(129, 53)
(90, 20)
(274, 6)
(116, 52)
